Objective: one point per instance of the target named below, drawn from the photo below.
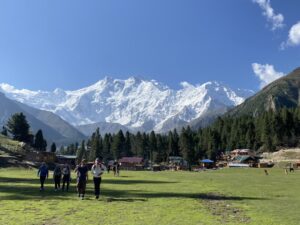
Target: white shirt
(98, 170)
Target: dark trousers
(66, 181)
(42, 180)
(57, 180)
(97, 182)
(81, 185)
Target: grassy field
(228, 196)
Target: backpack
(57, 171)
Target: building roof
(66, 156)
(242, 159)
(241, 151)
(207, 161)
(131, 160)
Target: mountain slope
(133, 103)
(54, 128)
(284, 92)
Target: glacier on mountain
(135, 103)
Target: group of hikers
(63, 173)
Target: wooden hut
(132, 163)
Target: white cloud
(294, 36)
(266, 73)
(275, 19)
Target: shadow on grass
(107, 181)
(128, 182)
(125, 200)
(28, 189)
(25, 192)
(19, 180)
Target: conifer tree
(127, 144)
(4, 131)
(107, 155)
(81, 152)
(39, 142)
(118, 145)
(187, 145)
(96, 150)
(160, 155)
(152, 146)
(19, 128)
(53, 147)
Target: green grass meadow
(228, 196)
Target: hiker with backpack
(116, 168)
(43, 173)
(57, 177)
(82, 177)
(66, 172)
(97, 170)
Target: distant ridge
(284, 92)
(54, 128)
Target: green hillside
(284, 92)
(11, 152)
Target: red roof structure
(131, 160)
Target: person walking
(97, 170)
(43, 173)
(116, 168)
(66, 172)
(82, 177)
(57, 177)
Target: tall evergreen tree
(4, 131)
(81, 152)
(53, 147)
(138, 145)
(160, 155)
(19, 128)
(127, 145)
(118, 145)
(152, 146)
(107, 154)
(145, 146)
(187, 145)
(96, 146)
(39, 142)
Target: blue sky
(72, 44)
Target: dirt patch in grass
(224, 210)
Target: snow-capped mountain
(134, 103)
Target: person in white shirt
(97, 170)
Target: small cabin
(67, 159)
(177, 163)
(47, 157)
(132, 163)
(252, 161)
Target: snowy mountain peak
(135, 102)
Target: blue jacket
(43, 171)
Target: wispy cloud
(266, 73)
(294, 36)
(276, 20)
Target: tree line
(264, 133)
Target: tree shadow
(19, 180)
(125, 200)
(129, 182)
(28, 189)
